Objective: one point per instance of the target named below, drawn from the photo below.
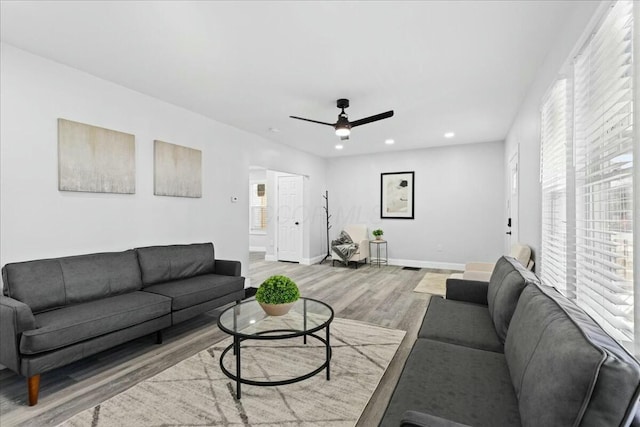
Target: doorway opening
(276, 215)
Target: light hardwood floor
(381, 296)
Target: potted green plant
(377, 233)
(277, 295)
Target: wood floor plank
(380, 296)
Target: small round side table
(378, 260)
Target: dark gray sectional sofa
(512, 352)
(56, 311)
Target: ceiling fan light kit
(342, 131)
(343, 126)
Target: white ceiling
(461, 66)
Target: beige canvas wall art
(177, 170)
(94, 159)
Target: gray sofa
(56, 311)
(512, 352)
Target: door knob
(508, 232)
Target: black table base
(235, 346)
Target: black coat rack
(326, 211)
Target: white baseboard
(392, 261)
(426, 264)
(257, 249)
(311, 261)
(303, 261)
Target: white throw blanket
(344, 246)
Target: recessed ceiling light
(389, 141)
(339, 147)
(275, 130)
(449, 135)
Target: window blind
(603, 171)
(556, 119)
(257, 207)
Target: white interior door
(290, 213)
(512, 202)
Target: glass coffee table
(247, 321)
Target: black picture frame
(397, 195)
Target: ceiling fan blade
(312, 121)
(372, 119)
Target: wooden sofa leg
(33, 384)
(159, 337)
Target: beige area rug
(433, 283)
(195, 392)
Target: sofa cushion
(43, 362)
(164, 263)
(460, 323)
(94, 276)
(196, 290)
(522, 253)
(565, 369)
(39, 284)
(420, 419)
(75, 323)
(507, 281)
(457, 383)
(52, 283)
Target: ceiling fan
(343, 126)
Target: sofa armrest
(420, 419)
(15, 318)
(363, 248)
(467, 290)
(228, 268)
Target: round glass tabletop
(248, 320)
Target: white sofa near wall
(482, 271)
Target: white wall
(38, 221)
(525, 130)
(459, 193)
